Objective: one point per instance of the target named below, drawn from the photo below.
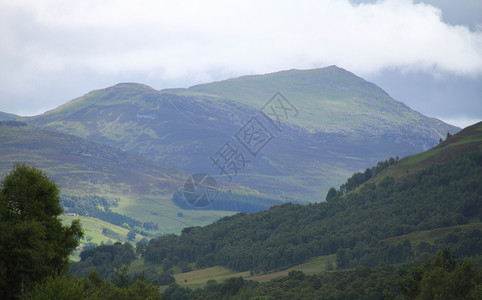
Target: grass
(198, 278)
(467, 140)
(93, 231)
(329, 98)
(314, 265)
(430, 236)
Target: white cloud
(169, 40)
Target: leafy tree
(131, 235)
(331, 194)
(67, 287)
(120, 278)
(34, 244)
(442, 277)
(342, 261)
(104, 258)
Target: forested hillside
(353, 225)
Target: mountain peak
(131, 85)
(329, 99)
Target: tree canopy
(34, 244)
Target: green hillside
(121, 183)
(98, 232)
(330, 99)
(6, 116)
(468, 140)
(360, 227)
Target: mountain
(332, 100)
(338, 123)
(93, 165)
(6, 116)
(367, 226)
(93, 175)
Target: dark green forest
(352, 225)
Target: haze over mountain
(344, 124)
(143, 187)
(6, 116)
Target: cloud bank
(69, 45)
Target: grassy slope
(93, 228)
(467, 140)
(331, 99)
(6, 116)
(82, 168)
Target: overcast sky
(427, 54)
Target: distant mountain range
(285, 136)
(342, 124)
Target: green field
(429, 236)
(93, 232)
(198, 278)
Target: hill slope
(7, 116)
(468, 140)
(332, 100)
(446, 192)
(93, 175)
(344, 124)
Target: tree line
(87, 205)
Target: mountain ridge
(322, 84)
(7, 116)
(185, 127)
